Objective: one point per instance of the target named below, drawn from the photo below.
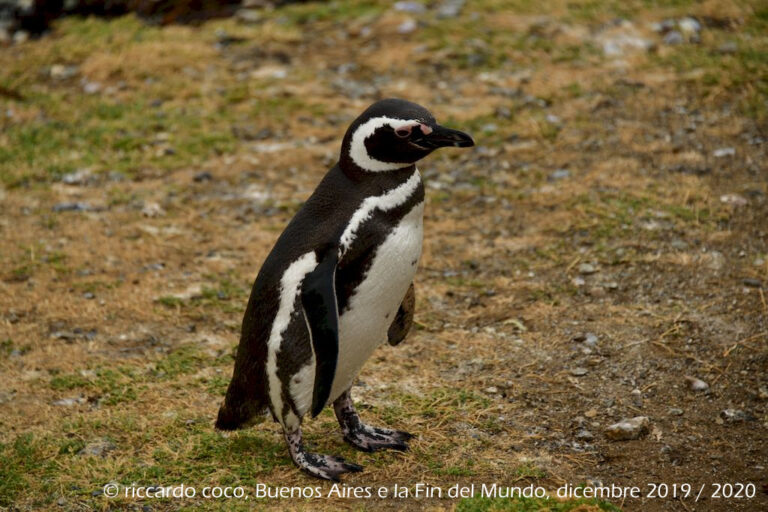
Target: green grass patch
(478, 504)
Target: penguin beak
(440, 137)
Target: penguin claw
(371, 439)
(326, 467)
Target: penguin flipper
(403, 319)
(318, 298)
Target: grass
(498, 302)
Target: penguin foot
(327, 467)
(365, 437)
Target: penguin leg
(327, 467)
(362, 436)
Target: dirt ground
(601, 254)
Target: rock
(724, 152)
(713, 260)
(751, 282)
(728, 48)
(91, 87)
(450, 8)
(98, 448)
(410, 7)
(590, 339)
(89, 295)
(579, 372)
(559, 174)
(622, 40)
(248, 16)
(407, 27)
(73, 207)
(689, 26)
(673, 37)
(62, 72)
(628, 429)
(734, 199)
(674, 411)
(679, 245)
(637, 398)
(152, 210)
(584, 435)
(587, 269)
(61, 501)
(734, 416)
(491, 390)
(69, 402)
(79, 177)
(695, 384)
(202, 176)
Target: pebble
(579, 371)
(79, 177)
(69, 402)
(728, 48)
(61, 501)
(734, 416)
(695, 384)
(77, 206)
(202, 176)
(152, 210)
(637, 398)
(587, 268)
(723, 152)
(689, 25)
(411, 7)
(674, 411)
(491, 390)
(248, 16)
(91, 87)
(734, 199)
(759, 262)
(559, 174)
(62, 72)
(450, 8)
(584, 435)
(754, 283)
(407, 27)
(89, 295)
(628, 429)
(673, 37)
(578, 281)
(98, 448)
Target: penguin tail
(237, 412)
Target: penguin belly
(375, 301)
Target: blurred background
(599, 256)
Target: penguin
(337, 284)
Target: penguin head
(392, 134)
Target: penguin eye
(403, 132)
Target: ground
(603, 246)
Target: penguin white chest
(376, 300)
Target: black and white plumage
(338, 283)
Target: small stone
(91, 87)
(759, 262)
(590, 339)
(68, 402)
(61, 501)
(751, 282)
(628, 429)
(559, 174)
(411, 7)
(407, 27)
(450, 8)
(98, 448)
(584, 435)
(734, 416)
(578, 281)
(79, 177)
(734, 199)
(723, 152)
(637, 398)
(587, 269)
(579, 372)
(491, 390)
(674, 411)
(591, 413)
(152, 210)
(689, 25)
(248, 16)
(597, 291)
(695, 384)
(673, 37)
(89, 295)
(679, 245)
(62, 72)
(73, 207)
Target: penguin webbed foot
(326, 467)
(365, 437)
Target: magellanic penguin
(338, 283)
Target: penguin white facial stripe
(392, 199)
(359, 153)
(290, 287)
